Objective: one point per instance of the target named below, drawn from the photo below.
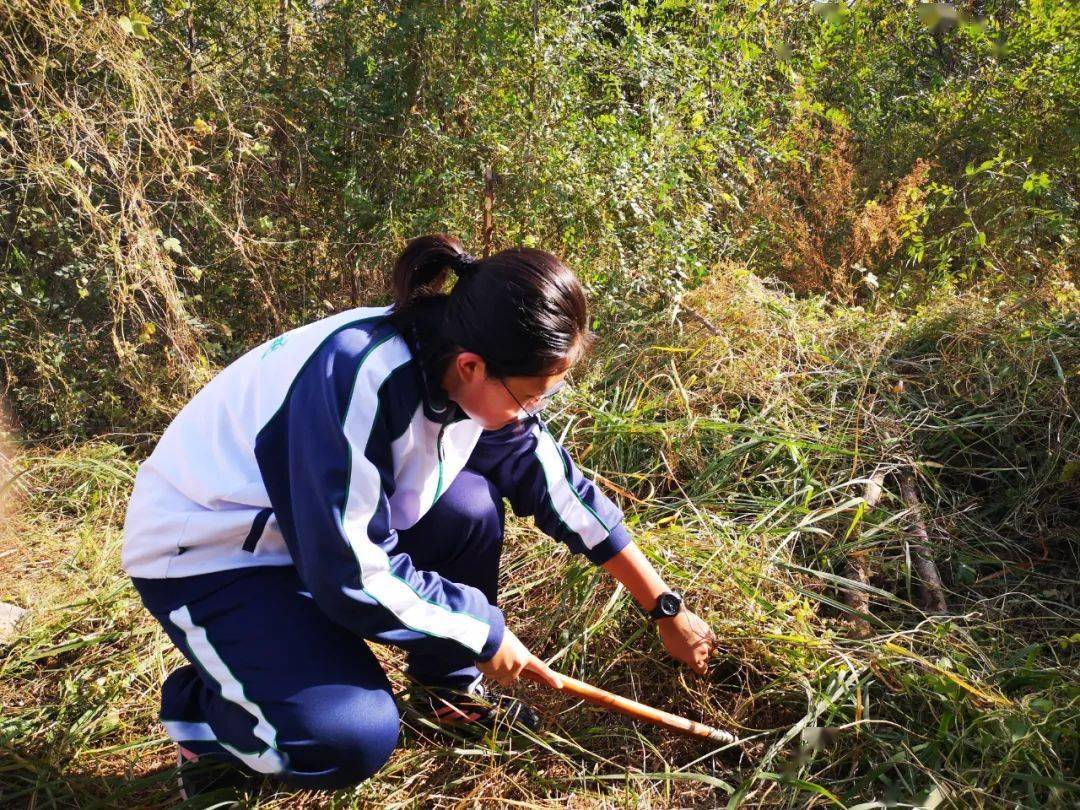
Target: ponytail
(423, 267)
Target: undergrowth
(747, 490)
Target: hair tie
(464, 265)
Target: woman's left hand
(688, 638)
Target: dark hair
(521, 309)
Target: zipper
(439, 453)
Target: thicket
(831, 250)
(182, 180)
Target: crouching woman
(344, 483)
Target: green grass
(743, 473)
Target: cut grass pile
(739, 434)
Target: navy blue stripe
(322, 386)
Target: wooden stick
(858, 568)
(700, 319)
(929, 580)
(639, 711)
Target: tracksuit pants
(275, 684)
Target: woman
(345, 481)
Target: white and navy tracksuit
(313, 495)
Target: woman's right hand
(511, 658)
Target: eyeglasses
(538, 402)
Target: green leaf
(830, 12)
(75, 6)
(838, 117)
(172, 244)
(125, 24)
(933, 14)
(1037, 182)
(72, 165)
(140, 25)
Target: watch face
(669, 604)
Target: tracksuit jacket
(314, 449)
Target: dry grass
(6, 472)
(103, 155)
(826, 238)
(101, 173)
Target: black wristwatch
(668, 604)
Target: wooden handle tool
(639, 711)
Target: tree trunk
(281, 138)
(189, 62)
(488, 225)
